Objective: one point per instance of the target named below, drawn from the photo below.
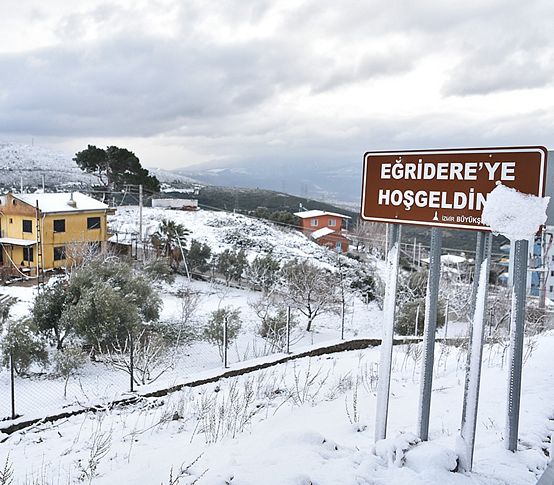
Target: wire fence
(143, 366)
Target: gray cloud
(222, 93)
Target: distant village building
(325, 228)
(63, 228)
(176, 204)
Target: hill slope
(31, 162)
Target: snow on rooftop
(324, 231)
(318, 213)
(514, 214)
(61, 202)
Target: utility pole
(140, 213)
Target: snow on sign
(446, 188)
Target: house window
(93, 222)
(28, 253)
(27, 226)
(338, 246)
(59, 253)
(332, 222)
(313, 222)
(552, 273)
(11, 220)
(551, 289)
(59, 225)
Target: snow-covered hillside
(309, 421)
(31, 162)
(223, 230)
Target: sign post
(448, 189)
(476, 272)
(389, 310)
(429, 331)
(474, 358)
(517, 324)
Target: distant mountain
(30, 163)
(332, 182)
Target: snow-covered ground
(223, 230)
(98, 383)
(304, 422)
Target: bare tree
(310, 289)
(369, 236)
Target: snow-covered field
(223, 230)
(305, 422)
(308, 421)
(98, 383)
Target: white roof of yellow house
(62, 202)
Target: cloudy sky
(183, 82)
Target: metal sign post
(447, 188)
(389, 309)
(517, 324)
(429, 331)
(479, 247)
(474, 358)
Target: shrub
(231, 264)
(198, 257)
(67, 364)
(50, 311)
(159, 269)
(273, 328)
(405, 320)
(213, 331)
(263, 273)
(21, 340)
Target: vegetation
(115, 167)
(198, 257)
(263, 273)
(214, 329)
(231, 264)
(21, 341)
(310, 289)
(169, 239)
(101, 303)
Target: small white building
(176, 204)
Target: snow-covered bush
(101, 303)
(159, 269)
(273, 328)
(68, 362)
(198, 257)
(214, 329)
(263, 273)
(21, 341)
(50, 311)
(153, 353)
(231, 264)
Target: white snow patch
(514, 214)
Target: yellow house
(49, 230)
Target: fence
(141, 365)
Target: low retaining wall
(357, 344)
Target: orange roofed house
(325, 228)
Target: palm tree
(169, 240)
